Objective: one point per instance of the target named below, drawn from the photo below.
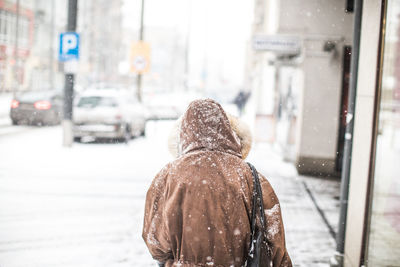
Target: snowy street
(83, 206)
(74, 207)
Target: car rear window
(97, 101)
(36, 96)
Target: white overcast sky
(219, 30)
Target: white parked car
(168, 106)
(108, 114)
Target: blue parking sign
(69, 46)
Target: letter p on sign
(69, 46)
(69, 43)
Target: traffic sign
(69, 46)
(140, 57)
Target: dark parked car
(37, 107)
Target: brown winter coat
(198, 207)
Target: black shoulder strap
(257, 200)
(253, 206)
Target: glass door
(383, 247)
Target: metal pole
(205, 59)
(51, 52)
(338, 258)
(69, 80)
(141, 22)
(16, 59)
(139, 77)
(186, 70)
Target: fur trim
(239, 127)
(243, 132)
(173, 138)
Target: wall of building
(315, 80)
(316, 23)
(101, 42)
(11, 59)
(42, 66)
(37, 44)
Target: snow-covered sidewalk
(308, 238)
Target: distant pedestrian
(241, 100)
(198, 207)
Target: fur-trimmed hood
(205, 125)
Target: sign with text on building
(140, 57)
(69, 46)
(280, 44)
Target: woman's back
(198, 207)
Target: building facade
(28, 52)
(15, 44)
(300, 74)
(317, 78)
(102, 50)
(35, 65)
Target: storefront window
(384, 232)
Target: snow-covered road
(83, 206)
(79, 206)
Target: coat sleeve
(155, 233)
(274, 225)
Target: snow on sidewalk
(308, 239)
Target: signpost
(69, 51)
(140, 62)
(140, 57)
(69, 54)
(69, 46)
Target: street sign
(69, 46)
(280, 44)
(140, 57)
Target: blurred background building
(299, 68)
(102, 50)
(28, 54)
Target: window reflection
(384, 236)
